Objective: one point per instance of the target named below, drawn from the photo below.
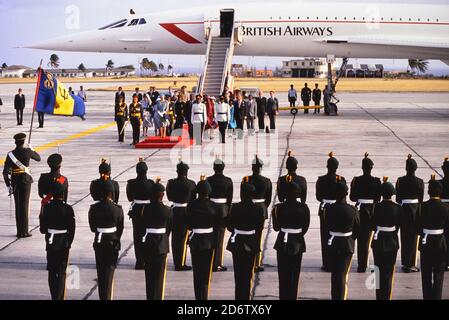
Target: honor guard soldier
(244, 221)
(445, 195)
(222, 194)
(433, 227)
(291, 219)
(18, 180)
(157, 223)
(343, 223)
(325, 194)
(46, 180)
(121, 117)
(386, 222)
(180, 192)
(202, 220)
(262, 198)
(136, 118)
(292, 166)
(106, 221)
(139, 192)
(105, 175)
(57, 222)
(410, 194)
(365, 192)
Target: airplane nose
(64, 43)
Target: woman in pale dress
(160, 112)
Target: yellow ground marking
(73, 137)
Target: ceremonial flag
(53, 98)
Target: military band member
(105, 175)
(18, 180)
(262, 198)
(433, 227)
(387, 217)
(139, 192)
(222, 195)
(202, 219)
(291, 219)
(157, 223)
(106, 221)
(46, 180)
(325, 194)
(57, 222)
(180, 192)
(365, 192)
(121, 117)
(342, 222)
(445, 195)
(136, 118)
(292, 166)
(410, 194)
(245, 218)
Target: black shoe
(259, 269)
(325, 269)
(183, 268)
(27, 235)
(447, 269)
(410, 269)
(221, 269)
(18, 236)
(139, 266)
(361, 270)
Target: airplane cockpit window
(117, 24)
(134, 22)
(142, 21)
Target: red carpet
(167, 142)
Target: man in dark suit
(119, 94)
(306, 96)
(138, 95)
(19, 105)
(316, 95)
(272, 110)
(261, 110)
(240, 114)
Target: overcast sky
(29, 21)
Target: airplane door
(226, 23)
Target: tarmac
(388, 126)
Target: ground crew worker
(180, 192)
(410, 194)
(445, 195)
(292, 166)
(306, 96)
(139, 192)
(291, 219)
(342, 222)
(18, 180)
(325, 194)
(433, 227)
(136, 119)
(365, 192)
(386, 222)
(57, 222)
(222, 194)
(121, 117)
(262, 198)
(106, 221)
(46, 180)
(105, 175)
(157, 223)
(316, 96)
(244, 221)
(202, 219)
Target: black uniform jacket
(121, 112)
(445, 183)
(57, 215)
(326, 186)
(245, 216)
(434, 216)
(45, 181)
(264, 189)
(107, 214)
(157, 216)
(386, 214)
(140, 188)
(291, 215)
(96, 191)
(299, 180)
(222, 188)
(366, 187)
(23, 155)
(409, 187)
(181, 190)
(202, 214)
(344, 218)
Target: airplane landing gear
(330, 101)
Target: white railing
(228, 61)
(206, 63)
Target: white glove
(30, 147)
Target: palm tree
(4, 65)
(170, 69)
(110, 65)
(82, 68)
(418, 65)
(153, 67)
(145, 64)
(54, 61)
(161, 67)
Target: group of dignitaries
(201, 212)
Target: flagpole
(35, 99)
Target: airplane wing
(437, 43)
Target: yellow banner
(64, 104)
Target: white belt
(138, 202)
(326, 201)
(409, 201)
(298, 200)
(445, 200)
(258, 200)
(432, 233)
(104, 230)
(243, 233)
(383, 229)
(52, 233)
(290, 231)
(338, 234)
(200, 231)
(219, 201)
(179, 205)
(364, 201)
(153, 231)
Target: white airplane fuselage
(400, 31)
